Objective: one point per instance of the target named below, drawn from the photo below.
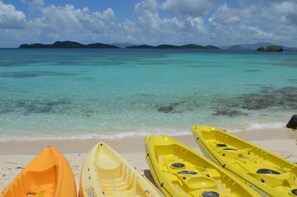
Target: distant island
(260, 47)
(271, 48)
(237, 48)
(166, 46)
(264, 47)
(68, 44)
(71, 44)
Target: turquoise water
(87, 93)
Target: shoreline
(14, 156)
(120, 144)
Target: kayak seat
(177, 165)
(273, 178)
(187, 172)
(234, 153)
(112, 173)
(267, 171)
(197, 182)
(43, 191)
(40, 183)
(174, 163)
(221, 145)
(210, 194)
(224, 146)
(230, 149)
(123, 180)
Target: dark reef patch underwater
(266, 98)
(28, 107)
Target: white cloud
(62, 18)
(250, 3)
(197, 24)
(34, 2)
(226, 15)
(260, 34)
(281, 12)
(189, 7)
(68, 22)
(279, 18)
(261, 22)
(154, 22)
(284, 7)
(10, 18)
(38, 2)
(151, 28)
(146, 5)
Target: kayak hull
(179, 170)
(106, 173)
(48, 175)
(265, 172)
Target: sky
(205, 22)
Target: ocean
(116, 93)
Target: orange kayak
(48, 175)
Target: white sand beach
(14, 156)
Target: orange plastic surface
(48, 175)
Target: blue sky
(153, 22)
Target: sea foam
(270, 125)
(99, 135)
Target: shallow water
(86, 93)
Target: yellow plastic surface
(106, 173)
(48, 175)
(179, 170)
(265, 172)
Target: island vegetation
(67, 44)
(166, 46)
(71, 44)
(233, 48)
(271, 48)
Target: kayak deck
(256, 163)
(251, 163)
(49, 174)
(106, 173)
(179, 171)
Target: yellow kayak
(180, 171)
(267, 173)
(48, 175)
(106, 173)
